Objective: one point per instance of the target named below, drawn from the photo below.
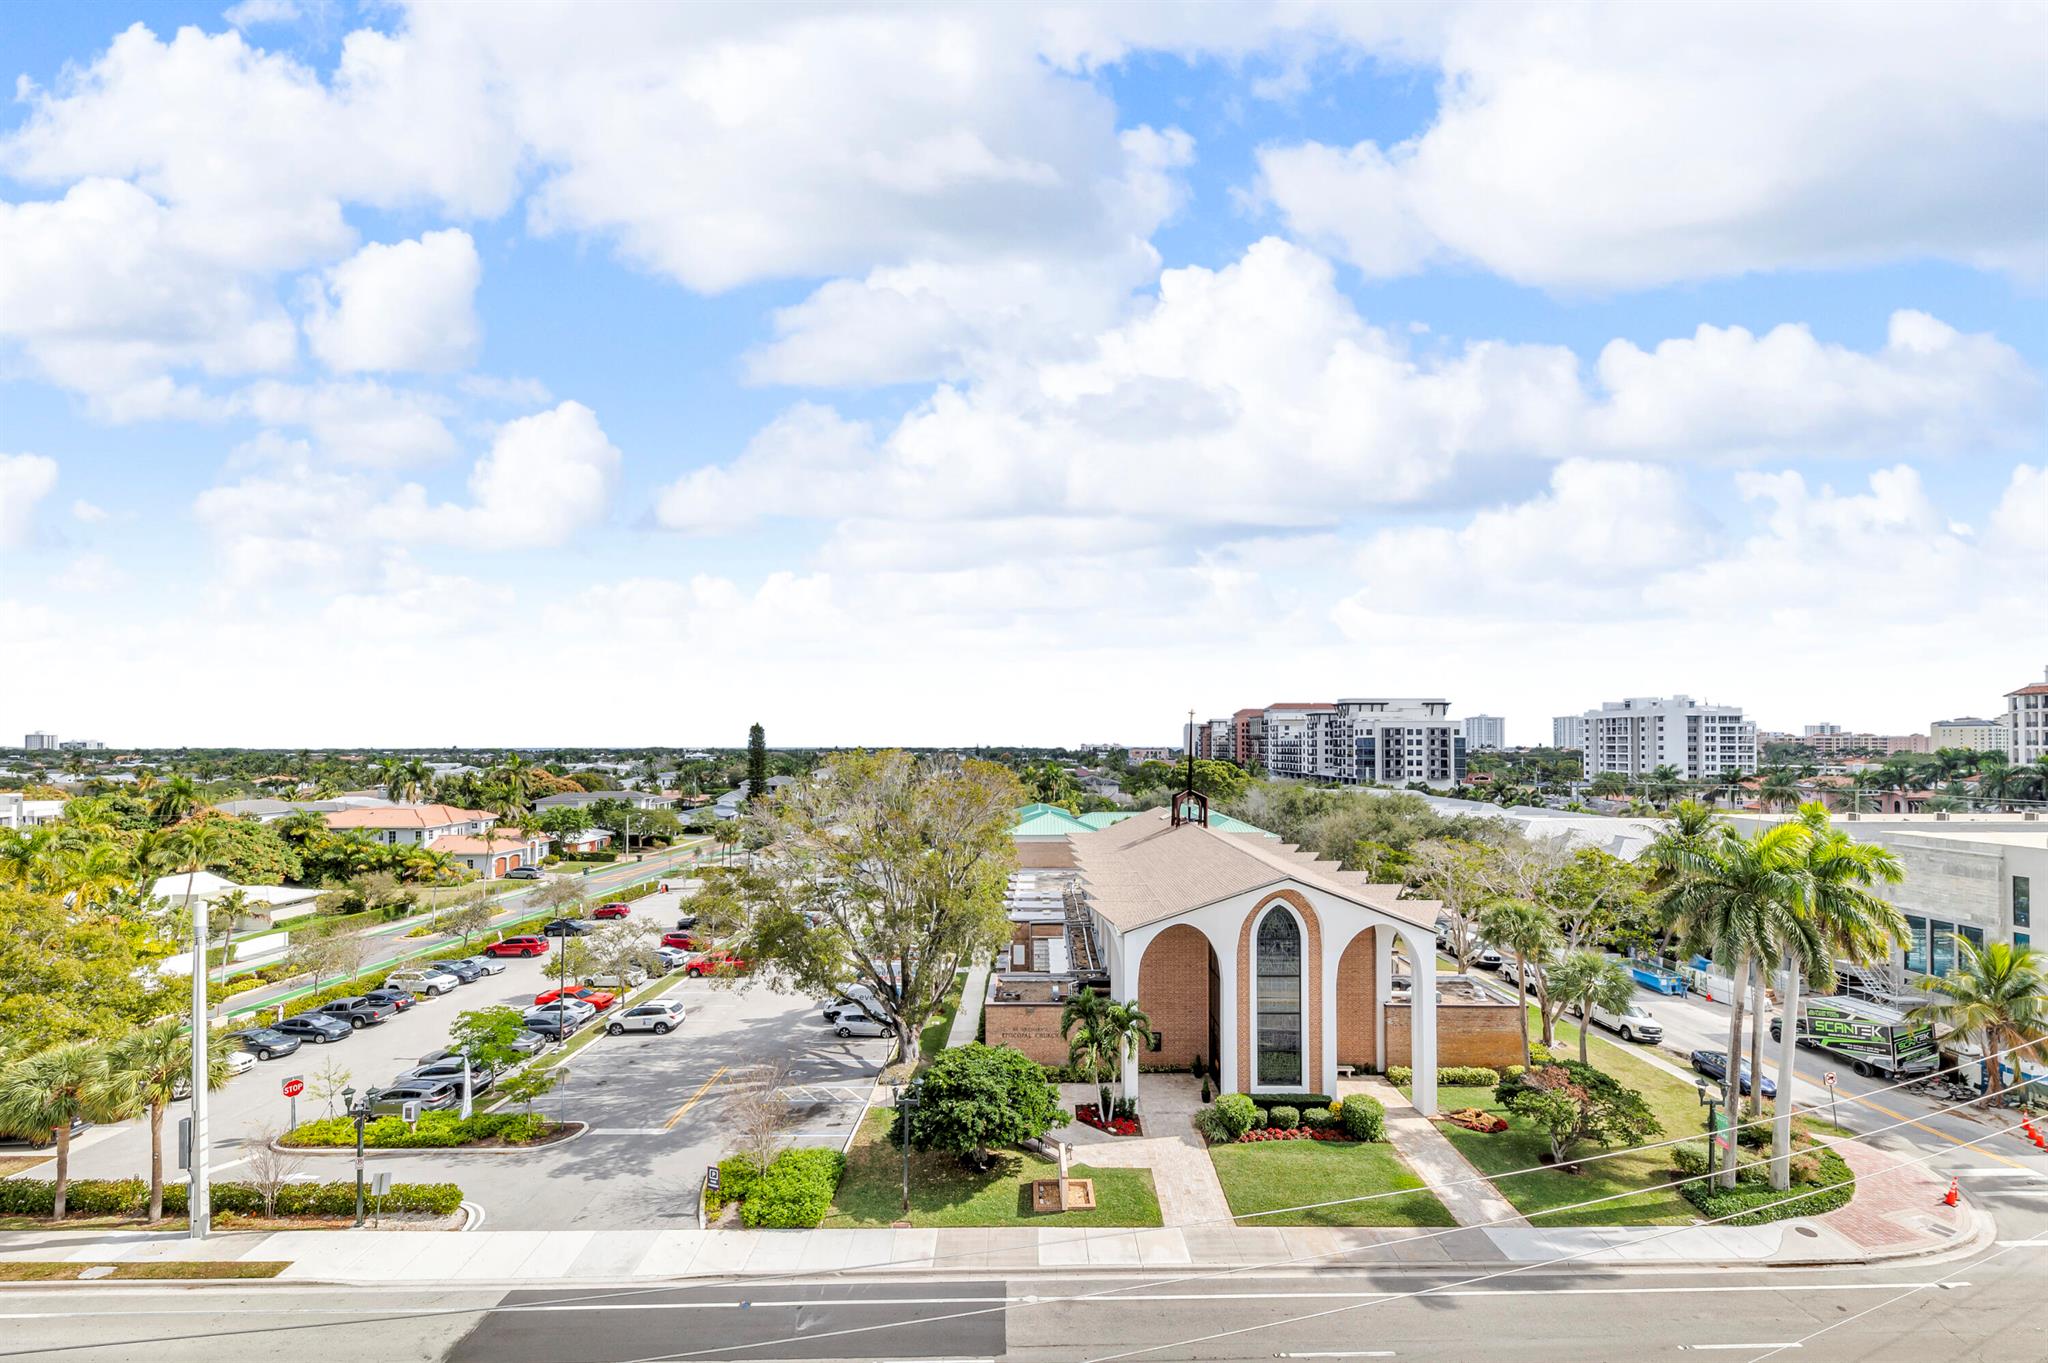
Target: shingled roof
(1143, 869)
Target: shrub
(1467, 1076)
(976, 1096)
(1237, 1113)
(736, 1178)
(436, 1130)
(1514, 1072)
(1284, 1118)
(795, 1193)
(1540, 1054)
(1574, 1103)
(1317, 1118)
(1297, 1101)
(1753, 1202)
(1214, 1128)
(1689, 1159)
(1363, 1118)
(1400, 1076)
(130, 1196)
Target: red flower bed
(1300, 1133)
(1089, 1114)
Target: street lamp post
(1712, 1100)
(361, 1113)
(199, 1198)
(905, 1097)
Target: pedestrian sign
(711, 1178)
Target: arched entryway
(1180, 987)
(1358, 1043)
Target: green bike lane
(684, 856)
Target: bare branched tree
(269, 1168)
(758, 1110)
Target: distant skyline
(412, 375)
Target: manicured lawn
(45, 1271)
(1675, 1104)
(943, 1193)
(932, 1039)
(1265, 1175)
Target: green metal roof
(1045, 821)
(1103, 818)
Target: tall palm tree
(1840, 915)
(1664, 782)
(97, 877)
(1525, 929)
(1084, 1024)
(1732, 898)
(45, 1093)
(1777, 790)
(1589, 980)
(1130, 1032)
(175, 800)
(28, 857)
(1999, 995)
(151, 1069)
(419, 779)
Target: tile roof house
(493, 854)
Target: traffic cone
(1954, 1196)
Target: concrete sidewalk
(1469, 1199)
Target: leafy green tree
(1998, 996)
(975, 1096)
(486, 1036)
(1575, 1103)
(48, 1091)
(1456, 874)
(757, 763)
(175, 799)
(530, 1083)
(889, 871)
(150, 1069)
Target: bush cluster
(1754, 1202)
(130, 1197)
(436, 1130)
(1451, 1076)
(794, 1194)
(1363, 1118)
(1283, 1118)
(1317, 1119)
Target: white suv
(1633, 1023)
(660, 1018)
(421, 982)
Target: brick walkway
(1470, 1200)
(1894, 1207)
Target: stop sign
(294, 1086)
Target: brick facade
(1357, 998)
(1173, 989)
(1312, 951)
(1466, 1034)
(1033, 1028)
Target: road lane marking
(691, 1102)
(1922, 1126)
(1742, 1346)
(2023, 1244)
(1993, 1173)
(1349, 1353)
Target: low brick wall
(1033, 1028)
(1466, 1034)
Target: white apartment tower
(40, 742)
(2026, 722)
(1636, 736)
(1485, 733)
(1568, 731)
(1979, 735)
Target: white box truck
(1874, 1039)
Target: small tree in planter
(1573, 1104)
(975, 1096)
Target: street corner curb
(331, 1151)
(473, 1217)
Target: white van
(856, 998)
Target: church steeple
(1190, 805)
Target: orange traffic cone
(1954, 1195)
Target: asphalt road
(653, 1103)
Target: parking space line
(691, 1102)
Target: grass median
(1262, 1176)
(194, 1270)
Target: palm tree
(1664, 782)
(97, 877)
(1609, 783)
(1777, 790)
(194, 845)
(1589, 980)
(419, 779)
(1130, 1031)
(1733, 898)
(1999, 995)
(1085, 1025)
(45, 1093)
(175, 799)
(1523, 928)
(148, 1071)
(1840, 916)
(28, 857)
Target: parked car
(238, 1062)
(265, 1043)
(857, 1021)
(681, 941)
(661, 960)
(598, 999)
(42, 1140)
(565, 927)
(318, 1028)
(852, 996)
(1633, 1023)
(715, 962)
(633, 979)
(447, 1070)
(612, 910)
(555, 1021)
(461, 970)
(660, 1018)
(1513, 974)
(358, 1010)
(586, 1011)
(1714, 1065)
(489, 965)
(686, 922)
(529, 1043)
(1486, 957)
(518, 946)
(432, 1096)
(422, 983)
(525, 873)
(399, 998)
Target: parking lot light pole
(360, 1111)
(199, 1195)
(906, 1101)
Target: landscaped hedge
(1451, 1076)
(130, 1197)
(1363, 1118)
(1297, 1101)
(436, 1130)
(1754, 1202)
(794, 1194)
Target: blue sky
(613, 374)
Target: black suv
(358, 1010)
(401, 999)
(567, 927)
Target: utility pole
(199, 1201)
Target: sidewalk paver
(973, 995)
(1469, 1198)
(1183, 1175)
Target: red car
(612, 911)
(681, 941)
(518, 946)
(716, 962)
(600, 999)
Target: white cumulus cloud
(25, 479)
(406, 305)
(545, 477)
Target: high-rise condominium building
(1485, 733)
(40, 742)
(1979, 735)
(2026, 722)
(1636, 736)
(1568, 731)
(1391, 740)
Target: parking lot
(654, 1104)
